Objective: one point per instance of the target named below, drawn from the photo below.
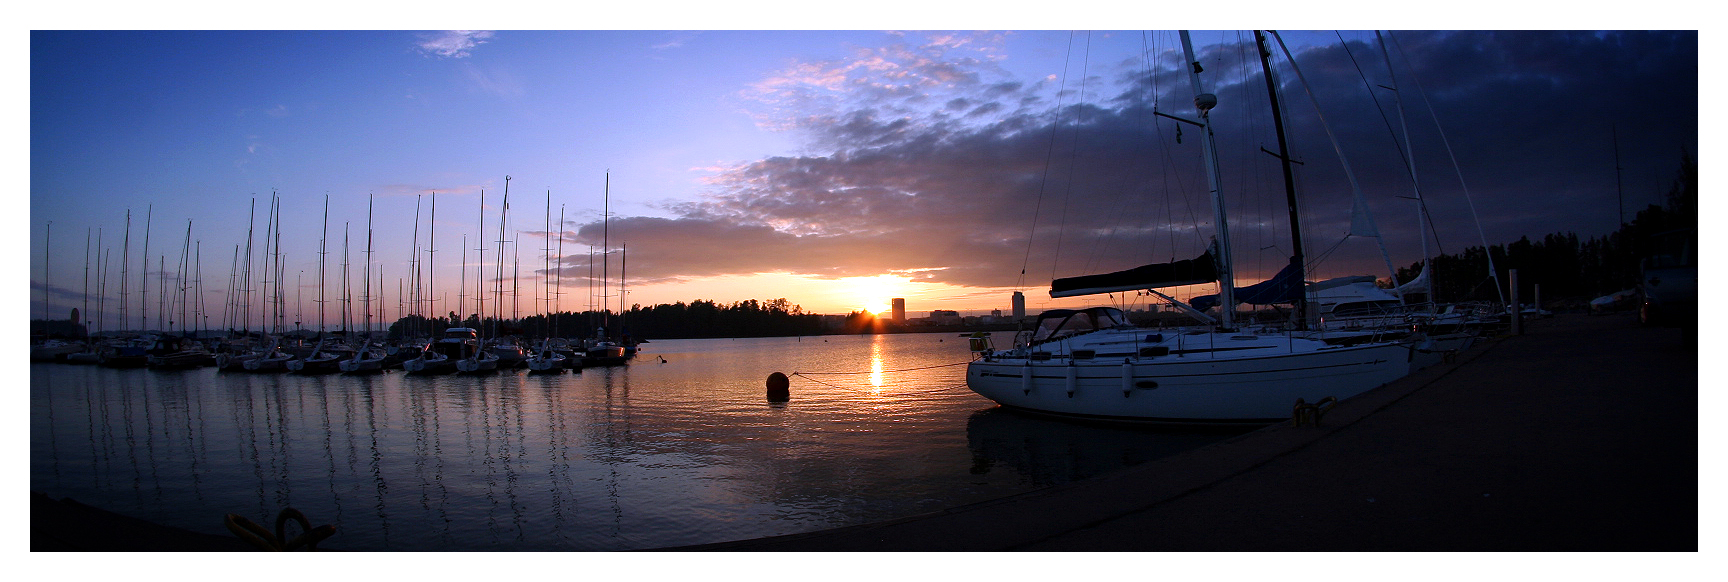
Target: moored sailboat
(1091, 363)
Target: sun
(873, 294)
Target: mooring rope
(807, 374)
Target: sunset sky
(835, 169)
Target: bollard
(779, 387)
(1517, 310)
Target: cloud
(931, 162)
(454, 44)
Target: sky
(834, 168)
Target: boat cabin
(1060, 323)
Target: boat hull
(1177, 390)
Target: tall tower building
(899, 309)
(1019, 305)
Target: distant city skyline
(835, 169)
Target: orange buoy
(779, 387)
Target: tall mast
(558, 275)
(245, 307)
(431, 263)
(480, 265)
(144, 276)
(498, 284)
(1410, 161)
(47, 295)
(199, 316)
(414, 266)
(1283, 155)
(125, 257)
(1204, 102)
(605, 252)
(347, 288)
(366, 272)
(546, 285)
(1360, 212)
(85, 314)
(323, 239)
(185, 256)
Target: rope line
(808, 374)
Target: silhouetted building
(899, 309)
(1019, 305)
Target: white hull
(1199, 389)
(546, 364)
(486, 362)
(361, 365)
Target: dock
(1581, 435)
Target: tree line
(698, 319)
(1568, 268)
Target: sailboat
(1092, 363)
(320, 360)
(369, 358)
(476, 359)
(602, 351)
(544, 360)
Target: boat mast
(431, 262)
(605, 255)
(498, 282)
(366, 274)
(85, 314)
(1410, 161)
(1204, 102)
(47, 296)
(144, 277)
(1283, 155)
(323, 238)
(480, 267)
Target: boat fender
(1026, 378)
(1073, 378)
(779, 387)
(1127, 377)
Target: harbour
(633, 457)
(1520, 445)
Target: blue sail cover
(1201, 269)
(1285, 287)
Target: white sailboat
(544, 360)
(1091, 363)
(476, 359)
(369, 358)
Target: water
(645, 456)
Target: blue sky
(831, 168)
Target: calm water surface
(644, 456)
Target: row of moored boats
(460, 350)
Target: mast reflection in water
(645, 456)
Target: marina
(615, 458)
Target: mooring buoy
(779, 387)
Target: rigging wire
(1073, 156)
(1032, 230)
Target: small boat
(273, 359)
(545, 360)
(128, 353)
(53, 350)
(320, 361)
(180, 354)
(367, 360)
(428, 361)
